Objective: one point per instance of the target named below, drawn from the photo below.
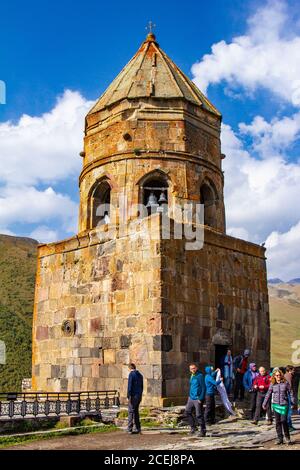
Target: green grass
(88, 422)
(60, 425)
(7, 441)
(285, 329)
(149, 423)
(123, 414)
(145, 412)
(18, 258)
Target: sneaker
(289, 442)
(192, 431)
(254, 422)
(129, 431)
(202, 434)
(138, 431)
(279, 442)
(269, 423)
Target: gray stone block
(162, 343)
(125, 341)
(156, 387)
(55, 371)
(131, 322)
(86, 371)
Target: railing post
(106, 401)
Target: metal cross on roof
(150, 26)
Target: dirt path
(238, 435)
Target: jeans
(281, 425)
(210, 409)
(239, 390)
(259, 401)
(198, 419)
(133, 412)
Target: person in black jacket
(134, 395)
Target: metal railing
(41, 404)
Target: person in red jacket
(261, 384)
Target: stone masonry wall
(112, 290)
(214, 296)
(147, 301)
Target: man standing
(240, 365)
(195, 401)
(134, 395)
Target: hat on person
(247, 352)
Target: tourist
(227, 370)
(248, 379)
(134, 395)
(261, 386)
(278, 393)
(290, 378)
(195, 401)
(210, 404)
(240, 365)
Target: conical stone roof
(151, 73)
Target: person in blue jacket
(196, 401)
(210, 404)
(134, 395)
(248, 379)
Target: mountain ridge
(18, 261)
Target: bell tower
(151, 145)
(153, 138)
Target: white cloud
(275, 137)
(283, 251)
(238, 232)
(44, 234)
(45, 148)
(5, 231)
(36, 151)
(267, 56)
(262, 181)
(22, 204)
(261, 197)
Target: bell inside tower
(155, 195)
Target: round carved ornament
(68, 327)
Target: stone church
(112, 294)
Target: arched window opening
(208, 198)
(155, 195)
(100, 204)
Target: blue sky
(56, 58)
(53, 45)
(50, 46)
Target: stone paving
(227, 434)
